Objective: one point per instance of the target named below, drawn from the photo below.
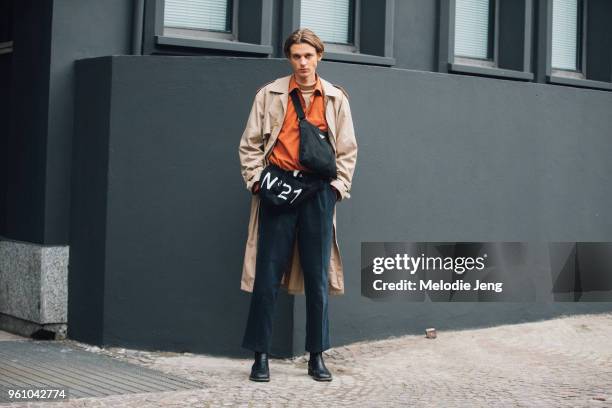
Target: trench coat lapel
(330, 91)
(279, 89)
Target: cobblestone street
(565, 362)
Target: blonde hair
(303, 35)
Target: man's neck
(310, 82)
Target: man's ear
(319, 56)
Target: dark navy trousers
(312, 225)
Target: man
(296, 248)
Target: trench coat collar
(281, 86)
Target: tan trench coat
(258, 139)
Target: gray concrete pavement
(564, 362)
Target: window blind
(330, 20)
(197, 14)
(565, 34)
(472, 28)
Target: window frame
(156, 41)
(231, 35)
(347, 53)
(565, 77)
(579, 73)
(492, 40)
(352, 47)
(448, 62)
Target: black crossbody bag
(316, 152)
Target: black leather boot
(260, 370)
(317, 369)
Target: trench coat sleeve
(346, 150)
(251, 148)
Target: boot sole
(259, 379)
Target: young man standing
(295, 248)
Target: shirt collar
(281, 85)
(318, 87)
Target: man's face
(303, 58)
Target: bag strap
(297, 104)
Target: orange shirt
(286, 151)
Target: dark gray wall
(80, 29)
(27, 125)
(90, 175)
(416, 34)
(155, 251)
(442, 158)
(599, 40)
(6, 63)
(48, 37)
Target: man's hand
(337, 193)
(256, 190)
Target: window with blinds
(473, 28)
(332, 21)
(566, 35)
(213, 15)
